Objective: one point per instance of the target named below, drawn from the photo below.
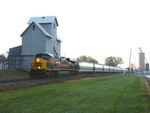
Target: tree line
(110, 61)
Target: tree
(87, 59)
(2, 57)
(113, 61)
(3, 60)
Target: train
(46, 65)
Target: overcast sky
(97, 28)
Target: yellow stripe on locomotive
(39, 64)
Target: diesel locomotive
(44, 65)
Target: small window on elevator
(33, 27)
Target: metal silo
(141, 61)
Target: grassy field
(113, 94)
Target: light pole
(130, 60)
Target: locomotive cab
(40, 63)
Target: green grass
(13, 74)
(113, 94)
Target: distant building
(39, 36)
(147, 66)
(141, 61)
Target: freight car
(47, 65)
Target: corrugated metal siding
(15, 62)
(47, 27)
(33, 42)
(54, 29)
(14, 59)
(49, 46)
(15, 50)
(26, 62)
(51, 28)
(58, 47)
(43, 30)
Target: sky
(96, 28)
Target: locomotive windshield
(43, 55)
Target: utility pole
(130, 60)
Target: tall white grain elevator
(141, 60)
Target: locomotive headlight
(39, 67)
(37, 60)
